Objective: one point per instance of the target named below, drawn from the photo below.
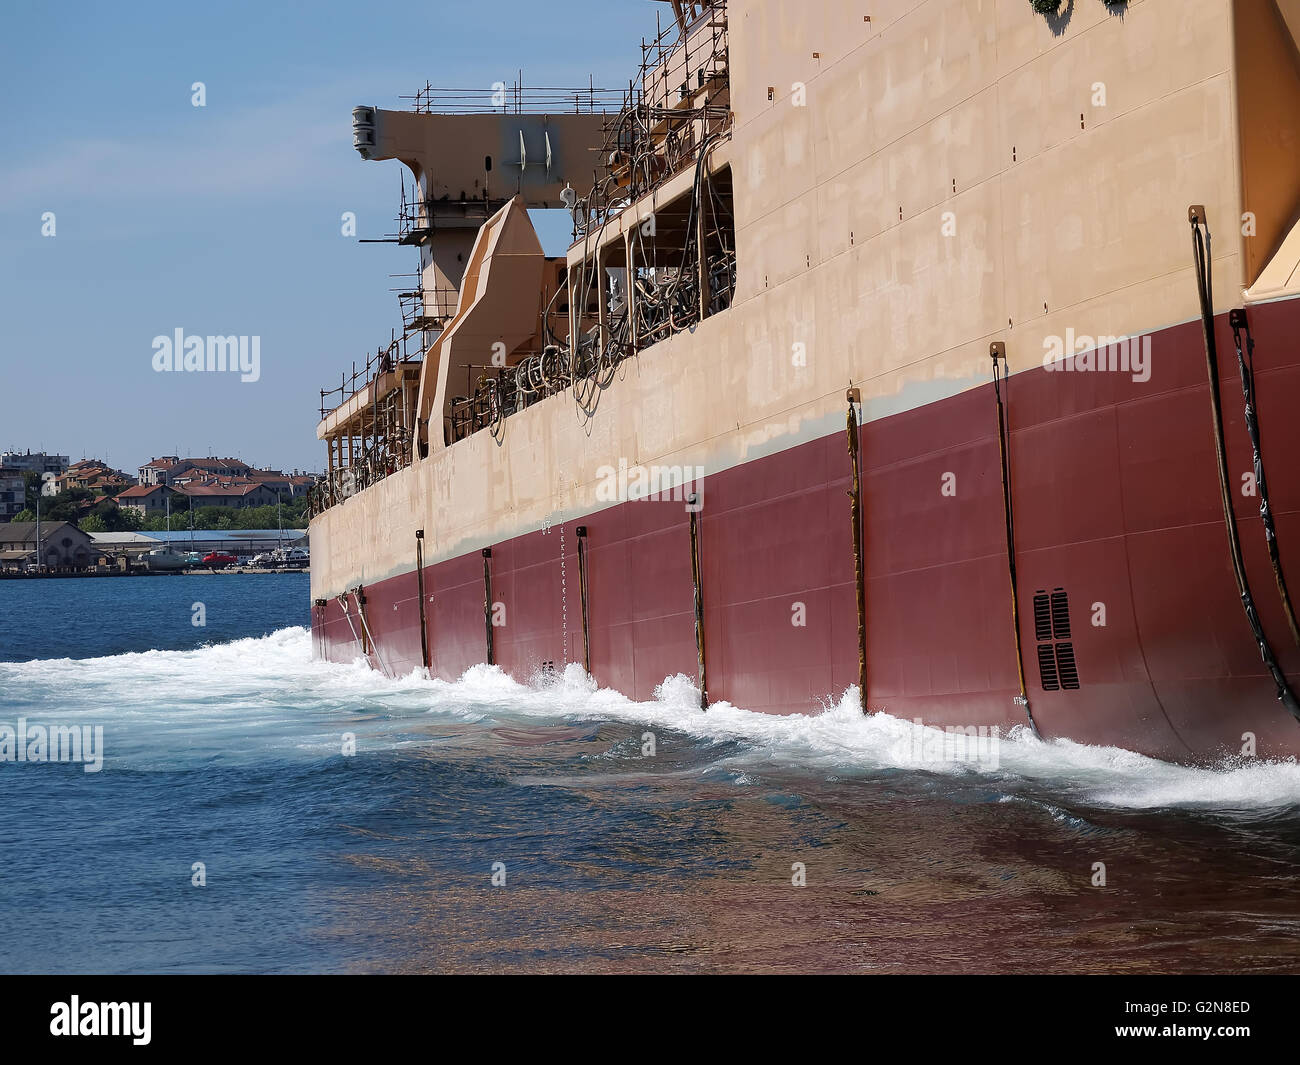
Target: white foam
(267, 694)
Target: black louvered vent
(1057, 668)
(1065, 666)
(1047, 668)
(1042, 617)
(1060, 614)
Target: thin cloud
(254, 152)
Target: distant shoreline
(197, 571)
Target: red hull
(1116, 503)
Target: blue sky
(225, 219)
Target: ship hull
(1116, 508)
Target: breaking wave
(251, 699)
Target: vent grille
(1066, 667)
(1057, 666)
(1047, 668)
(1042, 617)
(1060, 614)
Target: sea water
(256, 811)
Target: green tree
(293, 515)
(31, 489)
(109, 517)
(59, 507)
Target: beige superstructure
(911, 180)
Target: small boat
(165, 560)
(168, 560)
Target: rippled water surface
(224, 745)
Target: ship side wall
(1054, 228)
(918, 187)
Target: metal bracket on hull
(343, 602)
(368, 644)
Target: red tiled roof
(226, 489)
(139, 491)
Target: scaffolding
(618, 297)
(680, 98)
(513, 99)
(674, 114)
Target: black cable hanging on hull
(1246, 367)
(855, 515)
(582, 595)
(419, 584)
(1205, 292)
(487, 604)
(998, 351)
(318, 632)
(697, 578)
